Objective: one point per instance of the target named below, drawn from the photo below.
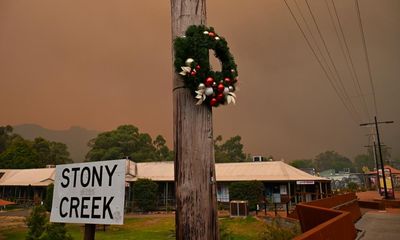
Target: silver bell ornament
(201, 86)
(189, 61)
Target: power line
(349, 61)
(317, 47)
(312, 36)
(376, 123)
(319, 61)
(339, 79)
(366, 55)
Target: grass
(242, 228)
(138, 228)
(151, 228)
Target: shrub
(352, 186)
(224, 232)
(145, 194)
(36, 222)
(252, 191)
(49, 197)
(55, 231)
(277, 231)
(39, 227)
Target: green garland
(192, 62)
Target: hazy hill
(76, 138)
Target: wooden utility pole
(375, 156)
(196, 205)
(376, 123)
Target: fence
(328, 218)
(322, 223)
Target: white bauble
(226, 90)
(209, 91)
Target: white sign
(89, 193)
(305, 182)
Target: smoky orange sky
(99, 64)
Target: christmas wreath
(192, 62)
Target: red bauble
(209, 81)
(211, 34)
(221, 87)
(193, 73)
(198, 67)
(213, 102)
(227, 80)
(220, 97)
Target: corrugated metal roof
(243, 171)
(26, 177)
(157, 171)
(262, 171)
(392, 170)
(164, 171)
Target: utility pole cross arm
(376, 123)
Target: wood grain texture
(90, 231)
(196, 215)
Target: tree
(42, 148)
(19, 154)
(22, 153)
(303, 163)
(230, 151)
(49, 197)
(5, 137)
(36, 222)
(363, 160)
(59, 154)
(386, 154)
(145, 193)
(332, 160)
(162, 151)
(396, 163)
(127, 141)
(252, 191)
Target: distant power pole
(376, 123)
(375, 156)
(196, 204)
(374, 153)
